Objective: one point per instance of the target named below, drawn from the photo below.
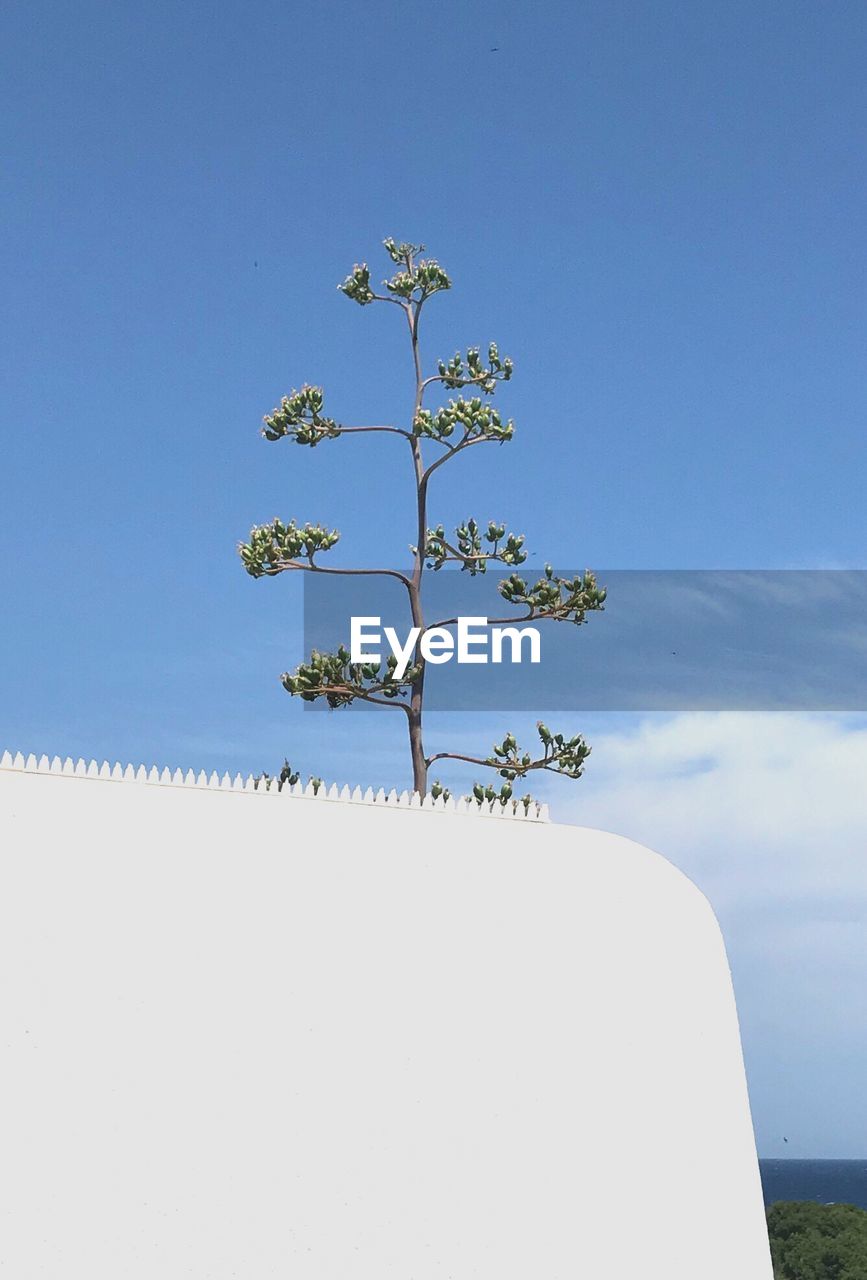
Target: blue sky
(656, 209)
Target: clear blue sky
(656, 208)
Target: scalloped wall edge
(154, 776)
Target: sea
(825, 1181)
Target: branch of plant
(491, 764)
(310, 567)
(352, 692)
(559, 755)
(496, 622)
(335, 677)
(395, 431)
(466, 443)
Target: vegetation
(434, 436)
(817, 1241)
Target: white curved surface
(330, 1042)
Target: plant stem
(416, 703)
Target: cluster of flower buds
(431, 278)
(401, 254)
(299, 417)
(357, 286)
(272, 545)
(419, 283)
(473, 418)
(486, 794)
(505, 757)
(459, 374)
(435, 550)
(469, 547)
(563, 755)
(469, 539)
(563, 599)
(287, 777)
(402, 284)
(287, 774)
(511, 552)
(560, 755)
(335, 677)
(413, 283)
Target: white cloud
(755, 807)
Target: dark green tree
(818, 1241)
(467, 420)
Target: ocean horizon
(824, 1181)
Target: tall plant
(467, 420)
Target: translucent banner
(666, 640)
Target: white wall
(264, 1036)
